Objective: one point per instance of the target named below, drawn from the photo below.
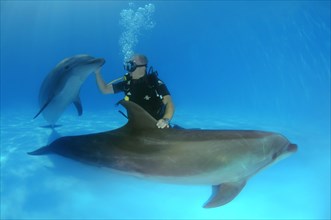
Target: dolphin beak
(41, 151)
(101, 60)
(292, 148)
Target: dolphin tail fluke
(224, 193)
(41, 151)
(50, 126)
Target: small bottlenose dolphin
(62, 85)
(225, 159)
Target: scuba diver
(142, 87)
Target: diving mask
(131, 66)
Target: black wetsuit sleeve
(119, 87)
(161, 88)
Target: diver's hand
(163, 123)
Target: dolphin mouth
(103, 61)
(40, 151)
(99, 61)
(292, 148)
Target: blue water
(228, 65)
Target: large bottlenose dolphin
(62, 85)
(225, 159)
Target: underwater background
(228, 64)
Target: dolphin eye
(66, 67)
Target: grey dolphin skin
(62, 85)
(225, 159)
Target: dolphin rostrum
(62, 85)
(225, 159)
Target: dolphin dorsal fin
(138, 117)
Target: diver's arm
(169, 112)
(169, 107)
(103, 87)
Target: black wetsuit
(147, 92)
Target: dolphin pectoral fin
(42, 108)
(78, 105)
(224, 193)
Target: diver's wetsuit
(147, 92)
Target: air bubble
(133, 23)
